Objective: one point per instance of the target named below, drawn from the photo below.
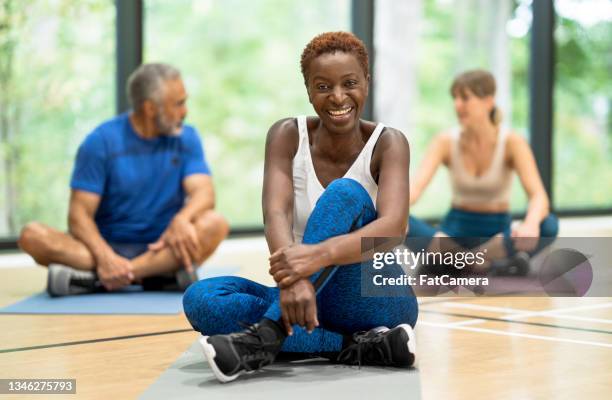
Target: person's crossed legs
(216, 307)
(457, 225)
(48, 246)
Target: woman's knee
(194, 303)
(549, 227)
(419, 228)
(344, 206)
(413, 315)
(406, 310)
(199, 303)
(348, 188)
(345, 184)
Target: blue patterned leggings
(217, 305)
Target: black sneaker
(65, 281)
(235, 354)
(178, 281)
(184, 279)
(382, 347)
(517, 265)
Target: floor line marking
(90, 341)
(481, 307)
(527, 314)
(467, 322)
(510, 321)
(576, 318)
(515, 334)
(515, 313)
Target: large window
(240, 61)
(421, 45)
(57, 65)
(582, 141)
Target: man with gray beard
(142, 199)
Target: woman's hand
(292, 263)
(299, 306)
(526, 236)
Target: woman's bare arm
(437, 153)
(277, 199)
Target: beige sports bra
(492, 187)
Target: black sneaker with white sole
(65, 281)
(381, 347)
(517, 265)
(232, 355)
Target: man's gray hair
(146, 83)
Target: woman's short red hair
(331, 42)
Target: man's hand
(299, 306)
(292, 263)
(114, 271)
(182, 238)
(526, 236)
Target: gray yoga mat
(190, 377)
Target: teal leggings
(467, 227)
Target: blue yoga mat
(131, 300)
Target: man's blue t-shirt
(139, 180)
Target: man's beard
(167, 128)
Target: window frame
(129, 55)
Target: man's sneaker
(232, 355)
(178, 281)
(64, 281)
(184, 279)
(517, 265)
(381, 346)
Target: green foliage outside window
(240, 60)
(57, 65)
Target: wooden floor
(468, 348)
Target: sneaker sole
(210, 354)
(411, 343)
(56, 287)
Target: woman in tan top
(481, 157)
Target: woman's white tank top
(306, 186)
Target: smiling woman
(345, 62)
(329, 180)
(339, 95)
